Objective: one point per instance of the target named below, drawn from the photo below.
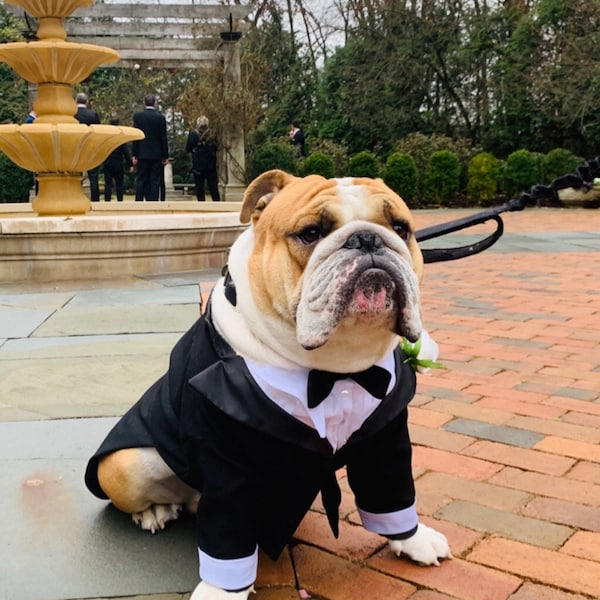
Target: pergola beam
(147, 29)
(163, 11)
(168, 59)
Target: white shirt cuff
(390, 523)
(228, 574)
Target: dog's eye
(402, 230)
(309, 235)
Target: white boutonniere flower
(421, 355)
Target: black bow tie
(320, 383)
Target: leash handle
(431, 255)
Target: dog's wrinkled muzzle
(366, 275)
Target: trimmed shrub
(484, 173)
(559, 162)
(400, 173)
(337, 152)
(319, 164)
(421, 147)
(521, 171)
(15, 182)
(442, 177)
(273, 155)
(363, 164)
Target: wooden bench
(186, 189)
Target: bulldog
(293, 371)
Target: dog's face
(333, 261)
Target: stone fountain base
(115, 239)
(571, 197)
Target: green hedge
(400, 173)
(15, 183)
(520, 172)
(363, 164)
(423, 172)
(273, 155)
(319, 163)
(442, 177)
(559, 162)
(337, 153)
(483, 175)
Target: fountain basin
(50, 8)
(50, 14)
(59, 154)
(117, 239)
(55, 61)
(63, 147)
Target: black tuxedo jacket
(258, 468)
(87, 116)
(154, 146)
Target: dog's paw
(206, 591)
(426, 546)
(157, 516)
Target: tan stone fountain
(70, 238)
(56, 146)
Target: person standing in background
(87, 116)
(296, 136)
(203, 146)
(114, 168)
(151, 154)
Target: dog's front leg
(426, 546)
(206, 591)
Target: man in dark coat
(87, 116)
(297, 138)
(151, 154)
(114, 168)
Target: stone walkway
(506, 437)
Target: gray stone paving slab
(87, 345)
(182, 294)
(16, 323)
(82, 320)
(496, 433)
(84, 386)
(47, 300)
(58, 542)
(66, 286)
(184, 277)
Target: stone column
(235, 161)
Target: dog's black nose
(367, 241)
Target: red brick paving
(520, 334)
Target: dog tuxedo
(260, 462)
(293, 372)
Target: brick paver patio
(506, 437)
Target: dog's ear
(261, 191)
